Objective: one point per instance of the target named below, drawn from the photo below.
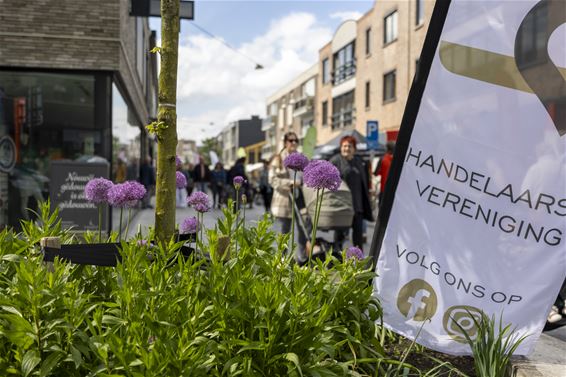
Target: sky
(217, 85)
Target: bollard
(52, 242)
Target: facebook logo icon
(417, 300)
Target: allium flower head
(321, 174)
(354, 252)
(142, 243)
(96, 190)
(178, 162)
(126, 194)
(199, 201)
(181, 180)
(136, 191)
(238, 181)
(117, 195)
(189, 226)
(296, 161)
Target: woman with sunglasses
(281, 179)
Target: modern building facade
(187, 151)
(77, 87)
(366, 70)
(291, 108)
(238, 135)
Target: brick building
(77, 83)
(366, 70)
(291, 108)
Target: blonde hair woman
(281, 180)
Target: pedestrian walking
(383, 167)
(218, 181)
(201, 175)
(147, 179)
(353, 171)
(238, 170)
(281, 180)
(264, 187)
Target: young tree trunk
(167, 114)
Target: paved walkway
(146, 218)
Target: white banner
(478, 220)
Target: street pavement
(145, 219)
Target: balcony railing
(343, 118)
(268, 122)
(303, 106)
(344, 72)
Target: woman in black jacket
(354, 173)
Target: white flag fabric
(478, 219)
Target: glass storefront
(126, 141)
(47, 117)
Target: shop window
(47, 116)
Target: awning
(329, 149)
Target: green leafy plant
(493, 345)
(158, 312)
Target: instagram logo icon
(461, 319)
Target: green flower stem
(120, 228)
(318, 206)
(128, 223)
(292, 241)
(100, 223)
(237, 212)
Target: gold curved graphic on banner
(486, 66)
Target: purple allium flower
(181, 180)
(238, 181)
(126, 194)
(296, 161)
(199, 201)
(354, 252)
(142, 243)
(178, 162)
(189, 226)
(321, 174)
(136, 191)
(117, 195)
(96, 190)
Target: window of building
(48, 117)
(368, 41)
(390, 28)
(344, 63)
(325, 113)
(368, 89)
(325, 71)
(389, 86)
(419, 12)
(343, 110)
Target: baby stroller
(336, 214)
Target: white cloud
(216, 84)
(344, 16)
